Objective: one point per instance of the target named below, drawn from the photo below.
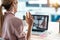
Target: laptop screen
(40, 22)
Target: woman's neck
(11, 10)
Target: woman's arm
(29, 20)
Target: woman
(12, 26)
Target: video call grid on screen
(40, 22)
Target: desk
(48, 37)
(35, 37)
(42, 36)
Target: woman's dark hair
(7, 6)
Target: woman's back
(12, 28)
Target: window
(37, 1)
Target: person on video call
(13, 27)
(43, 24)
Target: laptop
(40, 23)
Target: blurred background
(39, 7)
(51, 8)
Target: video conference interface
(40, 22)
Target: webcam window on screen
(40, 22)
